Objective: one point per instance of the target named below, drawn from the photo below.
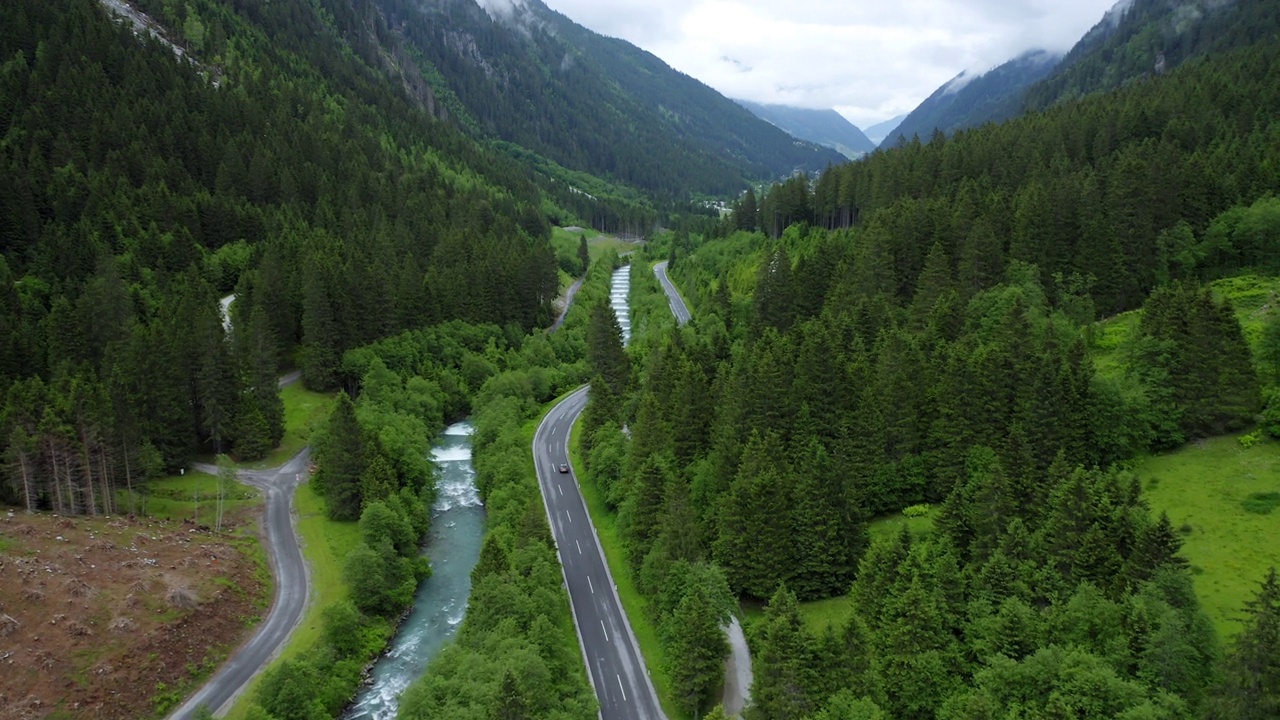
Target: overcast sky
(869, 59)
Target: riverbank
(453, 546)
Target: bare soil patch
(118, 618)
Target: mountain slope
(532, 77)
(969, 100)
(1138, 38)
(1135, 39)
(824, 127)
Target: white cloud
(502, 9)
(869, 59)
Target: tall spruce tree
(606, 357)
(698, 649)
(342, 459)
(1250, 688)
(755, 546)
(781, 686)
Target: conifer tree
(511, 704)
(698, 649)
(640, 516)
(774, 294)
(605, 355)
(320, 335)
(917, 655)
(780, 689)
(584, 255)
(1250, 688)
(827, 543)
(754, 545)
(342, 460)
(935, 280)
(747, 217)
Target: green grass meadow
(304, 411)
(888, 526)
(598, 244)
(1216, 490)
(1212, 491)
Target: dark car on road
(564, 467)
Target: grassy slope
(175, 497)
(304, 411)
(1251, 295)
(635, 605)
(598, 244)
(1230, 549)
(1203, 484)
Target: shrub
(1262, 503)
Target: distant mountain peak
(825, 127)
(972, 98)
(528, 76)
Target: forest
(913, 333)
(334, 209)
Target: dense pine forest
(913, 333)
(335, 209)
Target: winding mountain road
(568, 303)
(608, 645)
(287, 567)
(290, 572)
(613, 658)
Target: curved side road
(290, 572)
(608, 645)
(568, 303)
(676, 302)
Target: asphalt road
(673, 296)
(290, 572)
(608, 645)
(568, 303)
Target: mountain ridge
(971, 99)
(825, 127)
(531, 76)
(878, 132)
(1134, 39)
